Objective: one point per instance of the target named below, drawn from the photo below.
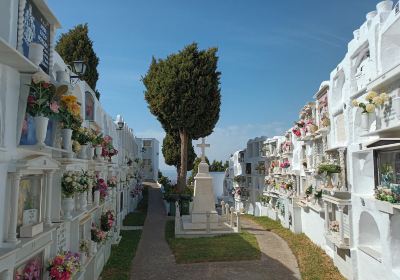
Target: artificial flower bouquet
(108, 148)
(69, 116)
(84, 135)
(32, 270)
(42, 98)
(285, 164)
(85, 178)
(64, 266)
(107, 220)
(70, 183)
(373, 100)
(112, 182)
(386, 194)
(102, 187)
(334, 226)
(84, 247)
(97, 235)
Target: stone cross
(203, 147)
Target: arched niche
(395, 241)
(369, 236)
(337, 89)
(362, 68)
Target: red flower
(31, 100)
(45, 85)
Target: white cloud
(224, 141)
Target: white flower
(40, 76)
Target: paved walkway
(154, 259)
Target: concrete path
(154, 259)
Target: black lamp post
(79, 68)
(120, 122)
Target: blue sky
(273, 55)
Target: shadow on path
(154, 259)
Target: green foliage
(119, 264)
(229, 247)
(195, 169)
(217, 166)
(171, 150)
(329, 168)
(76, 45)
(183, 93)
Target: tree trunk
(184, 154)
(178, 172)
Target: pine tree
(76, 45)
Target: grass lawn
(138, 217)
(313, 263)
(119, 264)
(232, 247)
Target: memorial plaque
(36, 30)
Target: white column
(12, 226)
(343, 168)
(90, 193)
(341, 228)
(49, 187)
(326, 210)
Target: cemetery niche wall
(65, 166)
(334, 175)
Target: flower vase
(36, 53)
(98, 150)
(90, 195)
(77, 202)
(41, 129)
(364, 121)
(66, 135)
(68, 206)
(93, 248)
(90, 153)
(96, 198)
(83, 259)
(83, 152)
(83, 201)
(329, 183)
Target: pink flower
(31, 100)
(54, 107)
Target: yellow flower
(370, 108)
(384, 96)
(377, 100)
(371, 95)
(354, 103)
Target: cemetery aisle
(154, 259)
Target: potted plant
(329, 168)
(42, 104)
(69, 186)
